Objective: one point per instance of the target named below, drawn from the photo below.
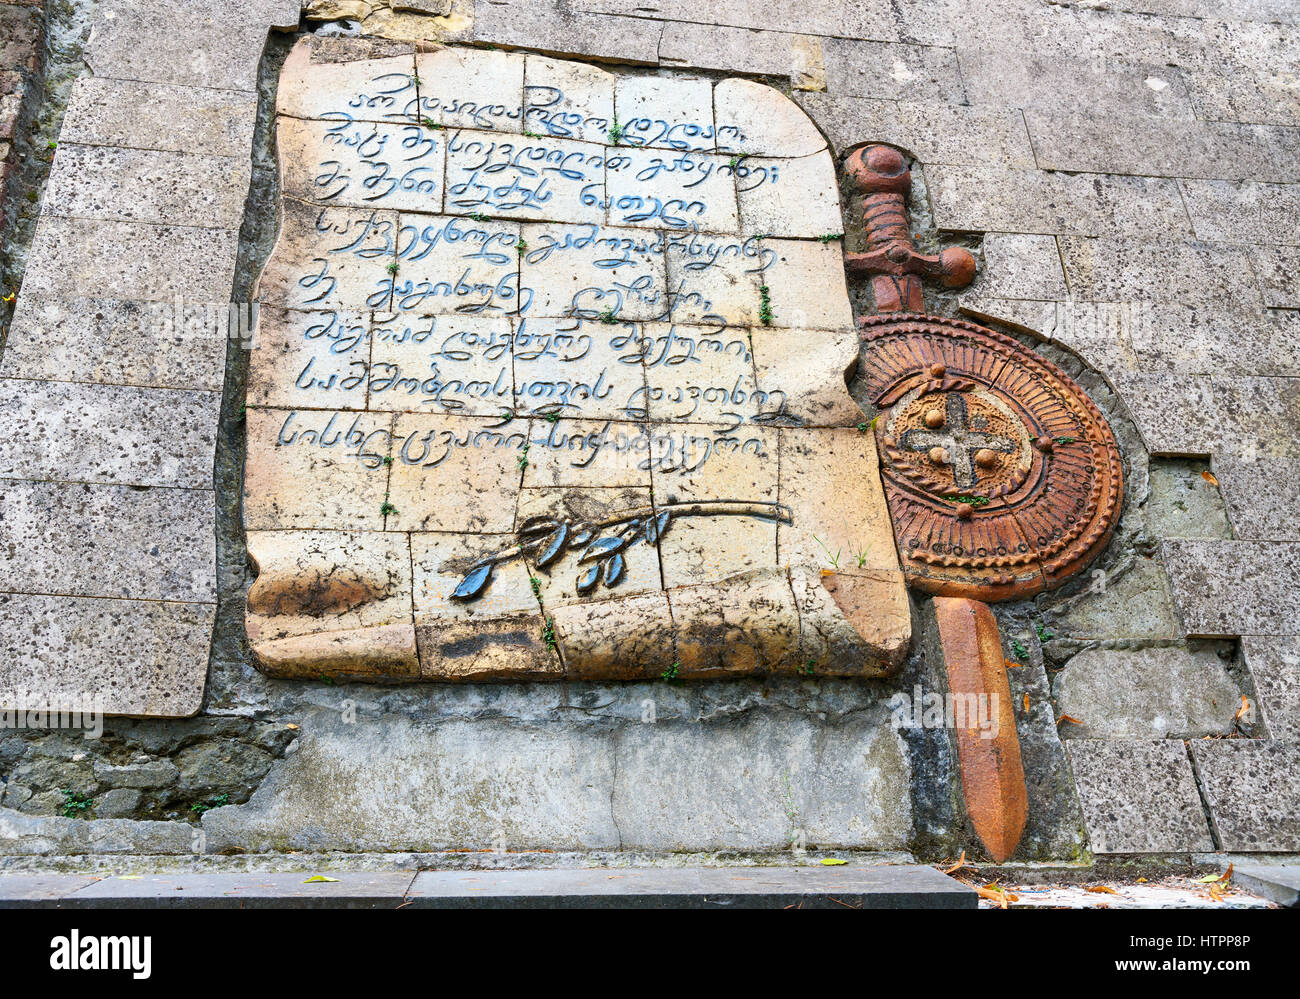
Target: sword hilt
(892, 260)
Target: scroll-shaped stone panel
(550, 381)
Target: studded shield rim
(1003, 478)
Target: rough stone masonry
(1125, 177)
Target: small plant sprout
(834, 558)
(830, 237)
(532, 135)
(536, 584)
(737, 160)
(670, 674)
(521, 246)
(523, 458)
(765, 305)
(507, 415)
(1044, 635)
(200, 807)
(416, 79)
(387, 509)
(1018, 648)
(615, 133)
(388, 459)
(74, 803)
(808, 668)
(548, 634)
(552, 417)
(392, 268)
(430, 123)
(608, 316)
(861, 557)
(478, 216)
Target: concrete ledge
(878, 887)
(1278, 883)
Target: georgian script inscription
(549, 380)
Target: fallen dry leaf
(1216, 894)
(1070, 718)
(961, 862)
(1209, 477)
(1101, 889)
(1026, 704)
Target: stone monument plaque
(550, 381)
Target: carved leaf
(582, 533)
(552, 546)
(615, 570)
(474, 583)
(655, 527)
(602, 547)
(587, 581)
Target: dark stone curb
(881, 887)
(1278, 883)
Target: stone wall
(1125, 177)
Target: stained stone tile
(714, 280)
(557, 583)
(796, 372)
(1022, 266)
(1182, 502)
(1275, 667)
(757, 120)
(1189, 273)
(623, 638)
(163, 262)
(568, 100)
(586, 454)
(721, 47)
(789, 197)
(337, 79)
(746, 624)
(933, 132)
(854, 623)
(662, 189)
(361, 164)
(455, 473)
(504, 648)
(453, 364)
(169, 42)
(384, 652)
(108, 433)
(1162, 147)
(557, 28)
(1189, 339)
(316, 581)
(126, 657)
(472, 88)
(696, 374)
(590, 270)
(360, 245)
(1196, 414)
(523, 178)
(1131, 601)
(1244, 212)
(669, 113)
(897, 71)
(316, 470)
(843, 523)
(109, 541)
(1237, 96)
(576, 368)
(1231, 587)
(150, 344)
(310, 360)
(1251, 790)
(447, 264)
(441, 562)
(186, 119)
(986, 198)
(1262, 496)
(805, 282)
(145, 185)
(1138, 796)
(1277, 268)
(1155, 693)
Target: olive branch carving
(545, 539)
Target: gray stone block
(1275, 667)
(254, 890)
(1278, 883)
(894, 71)
(156, 773)
(1162, 270)
(1154, 693)
(117, 803)
(1138, 797)
(1233, 587)
(1262, 496)
(1253, 790)
(1182, 502)
(1231, 212)
(550, 26)
(1278, 271)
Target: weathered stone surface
(1131, 601)
(1230, 588)
(1251, 791)
(1139, 796)
(147, 185)
(1262, 496)
(53, 836)
(65, 261)
(1278, 271)
(567, 99)
(668, 113)
(805, 282)
(721, 47)
(566, 271)
(369, 81)
(1183, 503)
(1189, 273)
(155, 773)
(559, 29)
(984, 198)
(107, 433)
(1022, 266)
(754, 120)
(1246, 212)
(1154, 693)
(1275, 667)
(869, 19)
(132, 657)
(471, 88)
(651, 188)
(108, 541)
(933, 132)
(901, 72)
(117, 342)
(794, 196)
(792, 370)
(134, 115)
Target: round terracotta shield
(1003, 479)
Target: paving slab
(21, 891)
(1253, 791)
(1275, 667)
(885, 887)
(345, 890)
(1278, 883)
(1138, 796)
